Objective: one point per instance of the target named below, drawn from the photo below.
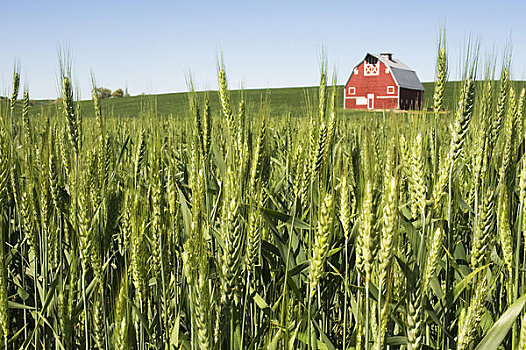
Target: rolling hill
(281, 101)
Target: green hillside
(281, 101)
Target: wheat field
(242, 230)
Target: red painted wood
(378, 85)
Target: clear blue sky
(150, 45)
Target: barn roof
(405, 77)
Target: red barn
(381, 82)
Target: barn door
(370, 101)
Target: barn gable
(404, 76)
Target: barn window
(352, 90)
(371, 69)
(371, 66)
(361, 101)
(390, 89)
(356, 71)
(386, 70)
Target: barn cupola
(387, 55)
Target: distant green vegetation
(281, 101)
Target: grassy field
(195, 221)
(281, 102)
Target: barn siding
(376, 85)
